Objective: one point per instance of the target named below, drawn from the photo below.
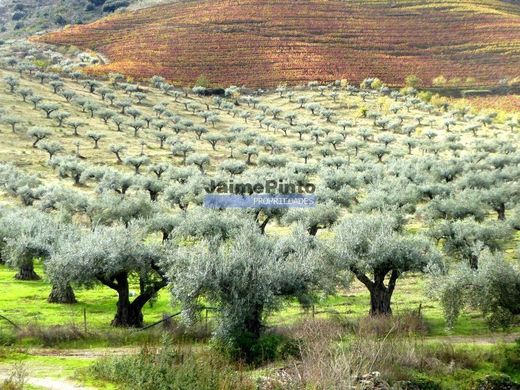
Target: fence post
(206, 320)
(85, 319)
(313, 311)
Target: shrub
(496, 382)
(169, 367)
(267, 348)
(16, 378)
(53, 335)
(419, 383)
(407, 323)
(18, 15)
(510, 359)
(112, 5)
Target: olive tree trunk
(61, 294)
(26, 272)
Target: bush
(6, 339)
(496, 382)
(269, 347)
(18, 15)
(418, 384)
(53, 335)
(511, 358)
(169, 367)
(407, 323)
(112, 5)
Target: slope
(265, 42)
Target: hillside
(23, 17)
(263, 43)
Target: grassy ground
(24, 302)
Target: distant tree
(96, 137)
(68, 95)
(75, 124)
(153, 186)
(412, 81)
(199, 131)
(117, 149)
(13, 121)
(140, 97)
(35, 100)
(25, 93)
(133, 112)
(250, 151)
(137, 162)
(123, 105)
(161, 137)
(91, 85)
(181, 148)
(118, 120)
(52, 148)
(38, 133)
(334, 140)
(233, 167)
(60, 116)
(105, 115)
(49, 108)
(57, 85)
(11, 82)
(136, 125)
(213, 139)
(323, 216)
(159, 169)
(198, 159)
(302, 100)
(313, 107)
(69, 167)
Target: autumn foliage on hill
(265, 42)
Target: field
(510, 103)
(264, 43)
(448, 170)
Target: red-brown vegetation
(265, 42)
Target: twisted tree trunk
(62, 295)
(26, 272)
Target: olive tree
(313, 219)
(49, 108)
(375, 245)
(494, 289)
(112, 256)
(52, 148)
(38, 134)
(245, 279)
(26, 235)
(12, 121)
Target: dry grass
(51, 335)
(339, 355)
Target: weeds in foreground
(339, 355)
(16, 379)
(171, 367)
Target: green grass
(25, 302)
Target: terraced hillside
(263, 43)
